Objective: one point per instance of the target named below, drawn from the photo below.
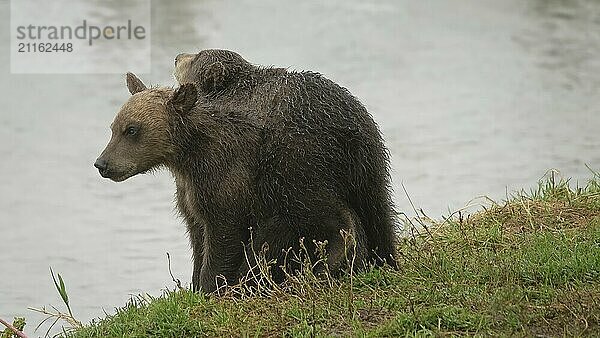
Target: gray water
(473, 97)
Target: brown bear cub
(309, 163)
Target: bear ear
(134, 84)
(184, 98)
(215, 77)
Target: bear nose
(101, 164)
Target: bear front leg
(194, 228)
(196, 234)
(224, 251)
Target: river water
(473, 97)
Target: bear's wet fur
(308, 164)
(305, 106)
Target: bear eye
(131, 131)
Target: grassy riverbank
(529, 266)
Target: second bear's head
(211, 70)
(141, 132)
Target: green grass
(529, 266)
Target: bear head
(212, 70)
(141, 132)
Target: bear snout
(179, 57)
(183, 57)
(102, 166)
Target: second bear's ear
(215, 77)
(134, 84)
(184, 98)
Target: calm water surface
(474, 98)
